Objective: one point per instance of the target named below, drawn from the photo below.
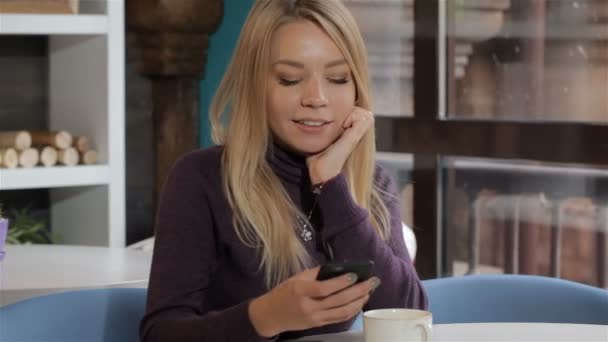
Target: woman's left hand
(330, 162)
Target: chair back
(515, 298)
(109, 314)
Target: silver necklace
(306, 229)
(306, 233)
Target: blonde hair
(263, 210)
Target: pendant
(306, 234)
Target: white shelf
(86, 67)
(54, 177)
(53, 24)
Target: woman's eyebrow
(299, 65)
(290, 63)
(335, 63)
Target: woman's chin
(310, 150)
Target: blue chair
(357, 324)
(515, 298)
(110, 314)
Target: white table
(494, 332)
(28, 271)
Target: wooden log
(29, 157)
(39, 6)
(81, 143)
(89, 157)
(68, 156)
(48, 156)
(19, 140)
(61, 139)
(10, 158)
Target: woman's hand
(302, 302)
(329, 163)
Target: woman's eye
(287, 83)
(342, 80)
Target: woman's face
(310, 89)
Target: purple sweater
(203, 277)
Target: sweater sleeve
(184, 256)
(348, 229)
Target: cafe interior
(491, 117)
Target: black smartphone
(362, 268)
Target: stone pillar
(170, 41)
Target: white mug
(397, 325)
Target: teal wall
(221, 45)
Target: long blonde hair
(263, 210)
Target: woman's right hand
(301, 302)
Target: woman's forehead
(304, 41)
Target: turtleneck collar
(288, 165)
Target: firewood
(29, 157)
(48, 156)
(10, 158)
(60, 139)
(39, 6)
(68, 157)
(19, 140)
(81, 143)
(89, 157)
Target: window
(502, 107)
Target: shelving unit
(86, 96)
(54, 177)
(26, 24)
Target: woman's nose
(314, 95)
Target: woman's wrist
(317, 179)
(319, 174)
(260, 318)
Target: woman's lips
(312, 126)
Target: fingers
(363, 120)
(342, 313)
(330, 162)
(356, 125)
(346, 304)
(350, 294)
(326, 288)
(359, 115)
(310, 303)
(348, 122)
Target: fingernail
(352, 278)
(375, 283)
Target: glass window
(526, 217)
(529, 60)
(399, 166)
(387, 27)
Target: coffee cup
(397, 325)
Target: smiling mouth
(311, 123)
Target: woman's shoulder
(385, 182)
(383, 178)
(201, 161)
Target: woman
(242, 227)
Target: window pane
(526, 217)
(399, 166)
(387, 27)
(533, 60)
